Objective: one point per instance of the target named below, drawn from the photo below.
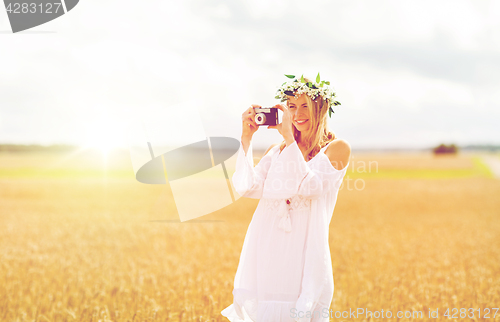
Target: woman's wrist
(289, 140)
(245, 142)
(246, 138)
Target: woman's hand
(285, 127)
(249, 125)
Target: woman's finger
(252, 124)
(249, 119)
(281, 107)
(252, 119)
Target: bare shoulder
(339, 152)
(270, 148)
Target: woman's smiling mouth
(300, 122)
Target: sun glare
(104, 135)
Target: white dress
(285, 269)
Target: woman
(285, 271)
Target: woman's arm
(248, 180)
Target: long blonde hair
(320, 135)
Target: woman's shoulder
(339, 143)
(339, 152)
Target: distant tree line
(482, 147)
(453, 149)
(37, 147)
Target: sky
(409, 74)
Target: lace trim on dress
(296, 203)
(283, 207)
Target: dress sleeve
(292, 176)
(248, 180)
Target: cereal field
(81, 240)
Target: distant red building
(445, 149)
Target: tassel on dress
(283, 212)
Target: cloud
(394, 65)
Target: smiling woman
(285, 272)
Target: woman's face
(300, 113)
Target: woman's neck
(302, 144)
(303, 148)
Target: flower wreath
(313, 90)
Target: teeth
(300, 122)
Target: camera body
(266, 116)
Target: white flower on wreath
(299, 87)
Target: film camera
(266, 116)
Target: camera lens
(260, 118)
